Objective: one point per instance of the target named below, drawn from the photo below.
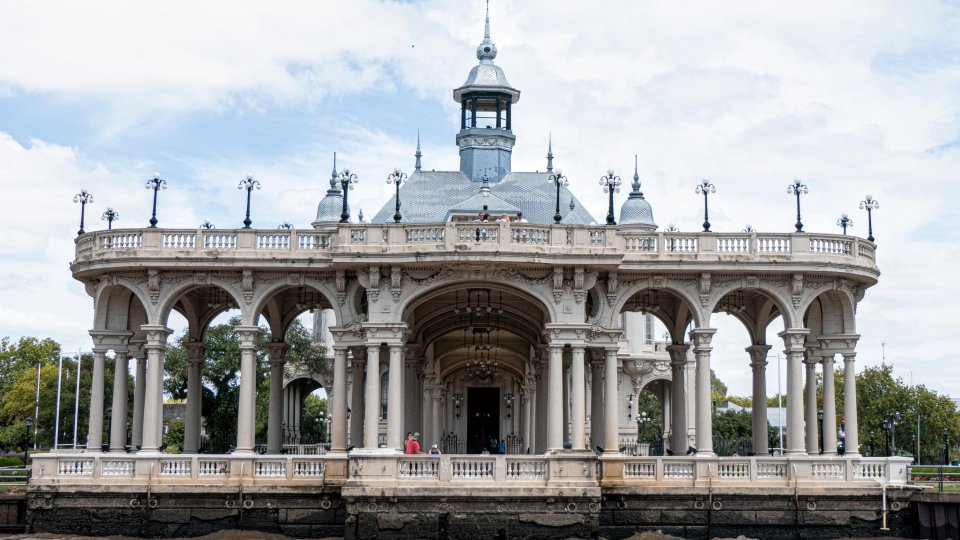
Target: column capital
(156, 335)
(249, 334)
(702, 337)
(758, 354)
(678, 353)
(794, 339)
(850, 356)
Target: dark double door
(483, 420)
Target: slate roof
(430, 196)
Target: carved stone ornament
(580, 296)
(557, 295)
(512, 274)
(153, 284)
(247, 285)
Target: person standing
(411, 446)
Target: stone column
(793, 340)
(554, 399)
(435, 424)
(338, 439)
(527, 405)
(246, 427)
(278, 351)
(829, 407)
(139, 392)
(810, 406)
(118, 423)
(611, 400)
(395, 399)
(95, 425)
(852, 445)
(678, 367)
(356, 399)
(191, 432)
(156, 348)
(704, 417)
(596, 404)
(758, 363)
(565, 437)
(371, 402)
(578, 404)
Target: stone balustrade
(362, 240)
(476, 470)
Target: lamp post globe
(156, 184)
(797, 188)
(110, 216)
(285, 225)
(844, 221)
(84, 198)
(869, 204)
(347, 181)
(248, 184)
(207, 225)
(706, 188)
(559, 180)
(397, 177)
(611, 183)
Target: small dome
(637, 211)
(330, 207)
(486, 75)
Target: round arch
(426, 294)
(830, 313)
(684, 312)
(280, 317)
(169, 298)
(756, 316)
(119, 307)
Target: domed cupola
(330, 207)
(485, 138)
(636, 212)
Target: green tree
(175, 434)
(25, 354)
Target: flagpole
(56, 425)
(76, 398)
(36, 408)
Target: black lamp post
(946, 446)
(870, 204)
(398, 178)
(320, 421)
(156, 184)
(886, 437)
(559, 180)
(248, 185)
(84, 198)
(347, 181)
(110, 216)
(706, 188)
(26, 440)
(820, 429)
(749, 229)
(642, 419)
(285, 225)
(873, 439)
(611, 184)
(796, 188)
(844, 222)
(207, 225)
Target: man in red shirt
(411, 446)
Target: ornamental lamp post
(207, 225)
(347, 181)
(559, 180)
(84, 198)
(110, 216)
(248, 184)
(706, 188)
(844, 221)
(156, 184)
(820, 429)
(796, 188)
(946, 446)
(285, 225)
(642, 419)
(611, 184)
(749, 229)
(26, 440)
(398, 178)
(869, 204)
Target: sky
(854, 98)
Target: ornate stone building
(472, 331)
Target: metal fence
(14, 475)
(939, 477)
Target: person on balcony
(434, 450)
(412, 446)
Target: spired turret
(636, 212)
(485, 138)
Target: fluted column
(758, 364)
(118, 422)
(371, 405)
(678, 367)
(596, 404)
(338, 439)
(829, 407)
(139, 393)
(358, 363)
(565, 431)
(436, 426)
(852, 444)
(578, 404)
(610, 402)
(277, 351)
(704, 415)
(246, 428)
(810, 406)
(793, 340)
(156, 348)
(527, 404)
(95, 425)
(555, 399)
(395, 399)
(191, 432)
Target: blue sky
(854, 98)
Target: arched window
(384, 383)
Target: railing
(499, 237)
(939, 477)
(475, 469)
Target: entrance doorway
(483, 419)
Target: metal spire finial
(487, 51)
(418, 154)
(636, 175)
(486, 30)
(550, 153)
(333, 176)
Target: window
(384, 384)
